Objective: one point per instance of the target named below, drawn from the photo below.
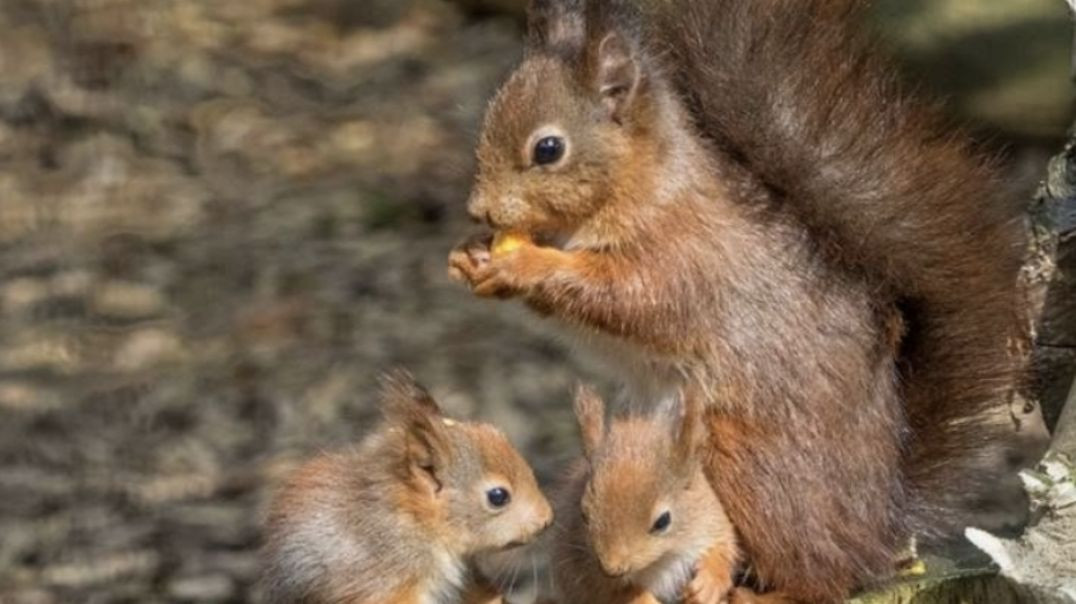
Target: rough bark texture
(946, 588)
(1041, 565)
(1050, 279)
(1065, 434)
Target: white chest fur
(446, 580)
(667, 577)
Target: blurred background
(220, 220)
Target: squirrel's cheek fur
(527, 512)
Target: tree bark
(1049, 280)
(1064, 441)
(1041, 564)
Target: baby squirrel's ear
(618, 75)
(557, 26)
(590, 413)
(689, 431)
(401, 392)
(409, 408)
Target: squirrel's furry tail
(791, 89)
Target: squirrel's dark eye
(662, 523)
(548, 150)
(498, 497)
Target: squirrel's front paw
(469, 257)
(711, 584)
(497, 279)
(488, 276)
(703, 589)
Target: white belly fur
(447, 583)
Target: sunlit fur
(398, 517)
(766, 215)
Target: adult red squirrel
(736, 193)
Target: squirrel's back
(794, 91)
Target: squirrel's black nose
(480, 211)
(480, 216)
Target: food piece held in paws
(507, 242)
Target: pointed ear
(409, 408)
(590, 413)
(556, 25)
(402, 394)
(618, 75)
(689, 430)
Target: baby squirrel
(736, 194)
(399, 518)
(637, 516)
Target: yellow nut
(915, 568)
(506, 242)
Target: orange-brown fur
(400, 517)
(884, 191)
(749, 203)
(606, 551)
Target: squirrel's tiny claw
(469, 257)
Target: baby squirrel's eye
(498, 497)
(662, 523)
(548, 150)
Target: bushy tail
(792, 89)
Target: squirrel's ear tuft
(557, 26)
(618, 74)
(401, 393)
(689, 431)
(590, 413)
(409, 408)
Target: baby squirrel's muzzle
(544, 522)
(531, 536)
(615, 572)
(615, 566)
